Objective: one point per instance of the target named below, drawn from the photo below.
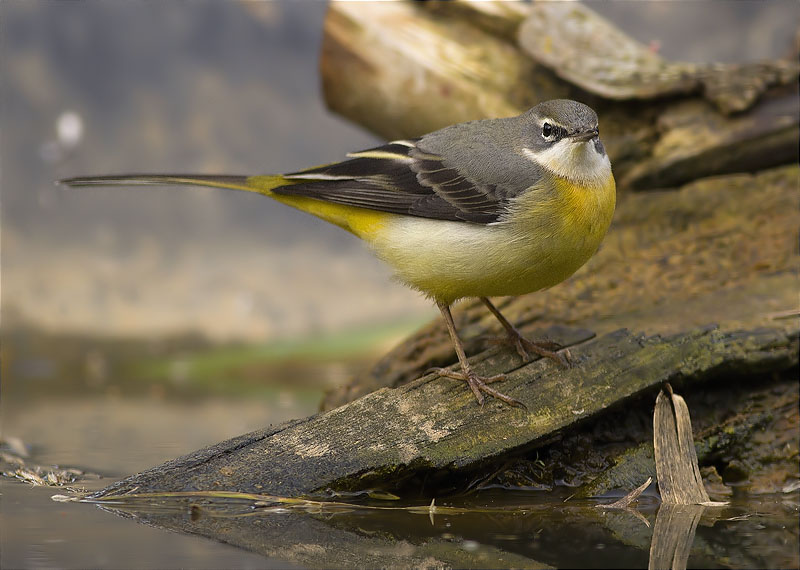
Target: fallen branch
(433, 424)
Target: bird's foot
(545, 348)
(479, 385)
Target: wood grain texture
(402, 69)
(679, 479)
(434, 424)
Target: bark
(433, 425)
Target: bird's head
(563, 136)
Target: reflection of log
(501, 535)
(673, 535)
(365, 539)
(433, 424)
(404, 69)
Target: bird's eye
(547, 130)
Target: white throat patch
(576, 161)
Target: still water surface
(115, 437)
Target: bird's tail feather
(361, 222)
(258, 184)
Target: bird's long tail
(361, 222)
(258, 184)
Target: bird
(485, 208)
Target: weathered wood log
(694, 141)
(331, 535)
(402, 69)
(433, 424)
(731, 439)
(588, 51)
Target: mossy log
(433, 424)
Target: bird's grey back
(488, 152)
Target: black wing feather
(399, 178)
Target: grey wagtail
(479, 209)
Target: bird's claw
(479, 385)
(544, 348)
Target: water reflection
(673, 535)
(498, 529)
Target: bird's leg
(476, 383)
(524, 346)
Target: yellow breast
(551, 233)
(586, 211)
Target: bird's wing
(401, 178)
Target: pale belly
(451, 260)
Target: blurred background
(115, 291)
(194, 292)
(182, 291)
(215, 87)
(140, 324)
(162, 87)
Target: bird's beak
(584, 136)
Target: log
(402, 69)
(326, 534)
(713, 251)
(433, 425)
(590, 52)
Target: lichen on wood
(588, 51)
(433, 424)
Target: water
(114, 437)
(40, 533)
